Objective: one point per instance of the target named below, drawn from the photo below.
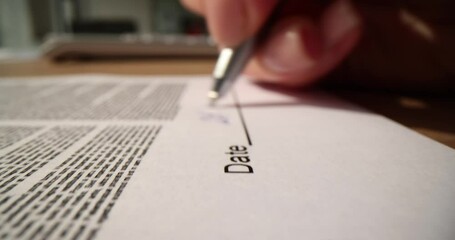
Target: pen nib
(213, 96)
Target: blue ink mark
(214, 117)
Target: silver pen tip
(213, 95)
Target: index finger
(232, 21)
(196, 6)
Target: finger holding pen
(231, 22)
(307, 40)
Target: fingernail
(294, 45)
(340, 19)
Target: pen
(232, 61)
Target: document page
(123, 157)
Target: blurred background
(25, 25)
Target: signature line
(242, 118)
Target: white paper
(110, 157)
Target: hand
(400, 44)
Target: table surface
(431, 116)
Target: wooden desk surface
(430, 116)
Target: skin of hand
(398, 45)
